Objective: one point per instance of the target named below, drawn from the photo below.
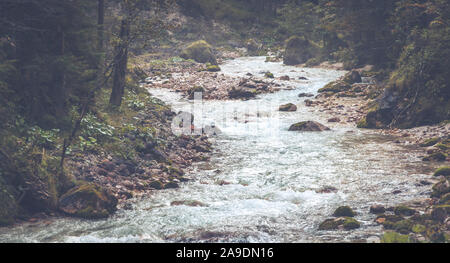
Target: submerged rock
(88, 201)
(308, 126)
(288, 107)
(199, 51)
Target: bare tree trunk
(120, 66)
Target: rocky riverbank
(347, 101)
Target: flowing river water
(261, 182)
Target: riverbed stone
(303, 94)
(288, 107)
(308, 126)
(352, 77)
(344, 211)
(404, 211)
(377, 209)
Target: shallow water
(273, 176)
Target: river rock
(346, 223)
(308, 95)
(308, 126)
(335, 119)
(335, 86)
(285, 78)
(377, 209)
(88, 201)
(199, 51)
(344, 211)
(242, 93)
(298, 51)
(352, 77)
(288, 107)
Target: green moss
(418, 228)
(269, 75)
(362, 124)
(351, 223)
(443, 171)
(345, 211)
(393, 237)
(212, 68)
(430, 142)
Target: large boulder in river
(352, 77)
(199, 51)
(308, 126)
(298, 51)
(88, 201)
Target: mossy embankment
(117, 153)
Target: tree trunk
(100, 23)
(120, 66)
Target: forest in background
(67, 83)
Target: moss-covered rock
(403, 226)
(212, 68)
(418, 228)
(362, 124)
(441, 188)
(443, 171)
(345, 211)
(156, 185)
(308, 126)
(440, 212)
(199, 51)
(331, 224)
(288, 107)
(351, 223)
(430, 142)
(404, 211)
(298, 50)
(8, 205)
(352, 77)
(242, 93)
(437, 157)
(335, 86)
(88, 201)
(269, 75)
(393, 237)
